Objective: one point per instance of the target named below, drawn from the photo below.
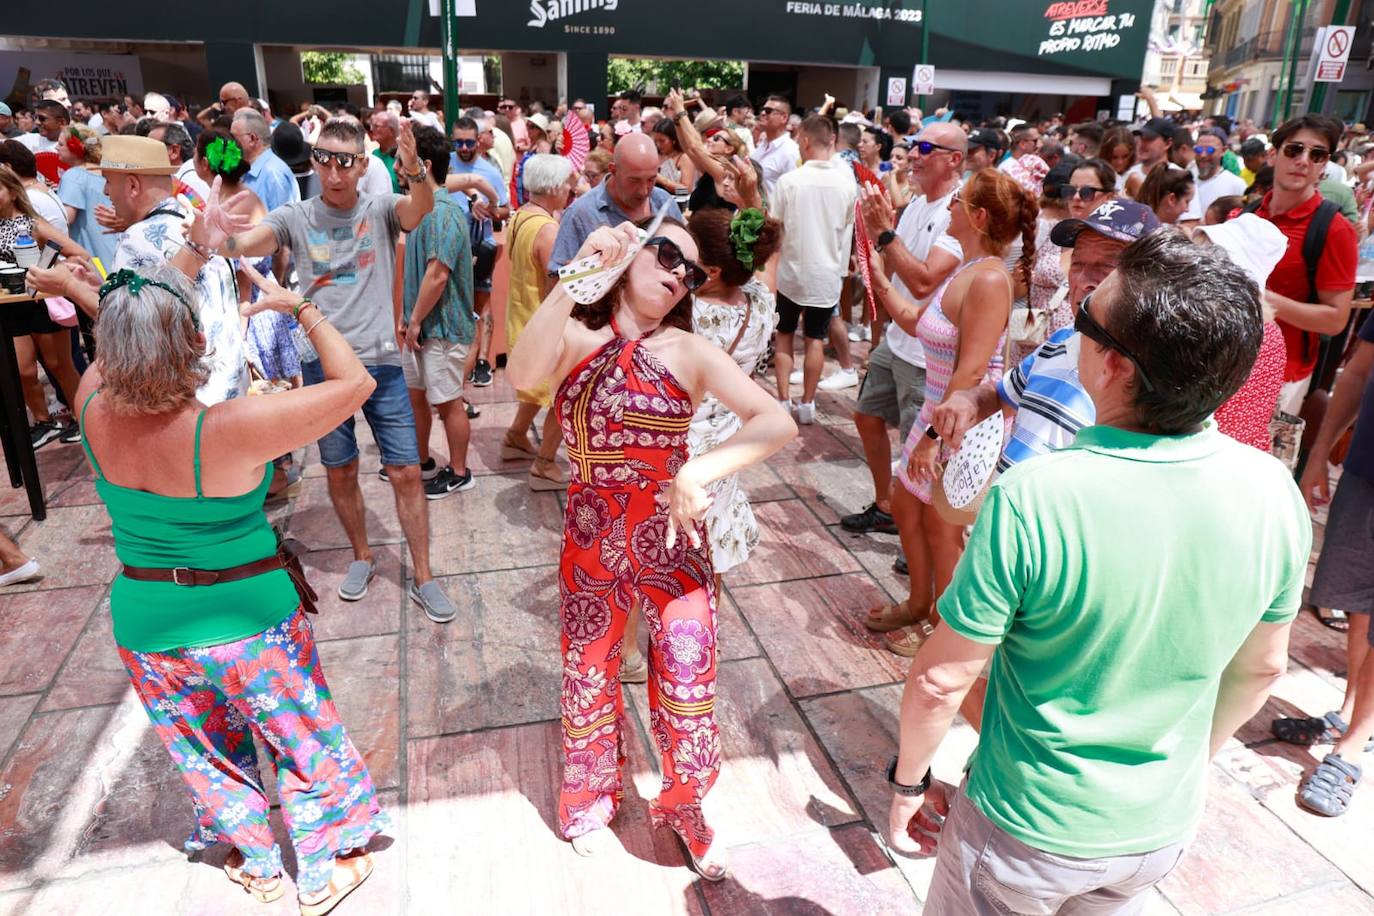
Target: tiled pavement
(458, 724)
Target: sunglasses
(1086, 192)
(1204, 150)
(925, 147)
(504, 105)
(465, 144)
(232, 99)
(770, 111)
(322, 157)
(1315, 154)
(670, 258)
(1085, 324)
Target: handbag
(1285, 437)
(61, 311)
(1031, 326)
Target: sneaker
(354, 585)
(43, 432)
(859, 333)
(845, 378)
(473, 412)
(428, 471)
(806, 413)
(796, 377)
(71, 434)
(788, 405)
(634, 668)
(20, 574)
(481, 374)
(870, 519)
(431, 598)
(900, 568)
(446, 482)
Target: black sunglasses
(345, 160)
(925, 147)
(1315, 154)
(1085, 324)
(465, 144)
(670, 258)
(1086, 192)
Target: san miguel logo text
(545, 11)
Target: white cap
(1254, 243)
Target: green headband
(744, 232)
(224, 155)
(136, 282)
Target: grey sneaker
(431, 597)
(354, 585)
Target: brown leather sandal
(350, 871)
(263, 890)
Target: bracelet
(315, 325)
(296, 312)
(908, 791)
(418, 174)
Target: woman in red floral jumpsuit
(632, 375)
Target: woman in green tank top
(217, 648)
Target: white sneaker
(845, 378)
(789, 406)
(806, 413)
(20, 574)
(795, 378)
(859, 333)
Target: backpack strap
(1314, 242)
(1253, 205)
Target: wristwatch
(909, 791)
(885, 238)
(680, 115)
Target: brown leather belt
(184, 575)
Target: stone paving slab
(459, 723)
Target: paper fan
(575, 146)
(865, 268)
(969, 471)
(866, 176)
(587, 279)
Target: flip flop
(263, 890)
(354, 869)
(1334, 618)
(889, 617)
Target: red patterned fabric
(625, 421)
(1245, 416)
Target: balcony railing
(1264, 46)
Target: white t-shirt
(776, 158)
(377, 180)
(816, 204)
(37, 143)
(1222, 184)
(922, 230)
(48, 207)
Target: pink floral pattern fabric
(625, 420)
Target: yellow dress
(526, 288)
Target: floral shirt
(158, 238)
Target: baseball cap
(1122, 220)
(987, 139)
(1252, 147)
(1214, 132)
(1156, 127)
(5, 110)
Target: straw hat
(134, 155)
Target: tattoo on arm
(231, 244)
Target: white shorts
(437, 369)
(1292, 394)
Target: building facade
(1176, 59)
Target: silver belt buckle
(176, 576)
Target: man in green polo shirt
(1138, 586)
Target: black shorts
(483, 265)
(815, 322)
(32, 318)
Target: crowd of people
(1161, 316)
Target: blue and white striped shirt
(1051, 405)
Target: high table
(14, 422)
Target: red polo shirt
(1335, 273)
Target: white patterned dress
(730, 522)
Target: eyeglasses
(670, 258)
(925, 147)
(465, 144)
(232, 99)
(1315, 154)
(1084, 192)
(1085, 324)
(322, 157)
(1204, 150)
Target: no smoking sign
(1333, 50)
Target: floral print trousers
(614, 553)
(207, 704)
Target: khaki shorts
(437, 370)
(893, 389)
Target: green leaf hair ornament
(135, 282)
(745, 228)
(224, 155)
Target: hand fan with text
(587, 279)
(959, 492)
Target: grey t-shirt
(346, 261)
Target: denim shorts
(388, 414)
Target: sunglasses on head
(1315, 154)
(670, 258)
(345, 160)
(465, 144)
(1085, 324)
(1086, 192)
(1204, 150)
(925, 147)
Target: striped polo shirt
(1050, 403)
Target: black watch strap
(885, 238)
(918, 789)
